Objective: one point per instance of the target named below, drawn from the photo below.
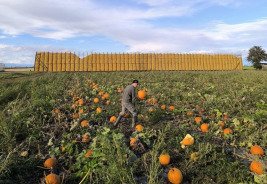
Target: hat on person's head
(135, 81)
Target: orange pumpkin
(175, 176)
(227, 131)
(133, 141)
(112, 119)
(204, 127)
(52, 179)
(81, 102)
(81, 111)
(256, 150)
(139, 128)
(96, 100)
(163, 107)
(50, 162)
(188, 140)
(198, 119)
(85, 123)
(106, 96)
(141, 94)
(164, 159)
(88, 153)
(171, 108)
(256, 167)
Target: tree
(255, 55)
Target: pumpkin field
(193, 127)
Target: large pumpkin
(112, 119)
(188, 140)
(139, 128)
(50, 162)
(52, 179)
(256, 167)
(141, 94)
(175, 176)
(204, 127)
(256, 150)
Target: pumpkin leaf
(260, 178)
(236, 122)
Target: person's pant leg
(130, 107)
(123, 108)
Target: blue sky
(177, 26)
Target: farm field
(211, 126)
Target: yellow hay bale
(46, 61)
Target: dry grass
(21, 69)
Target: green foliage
(28, 123)
(109, 162)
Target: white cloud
(70, 18)
(23, 54)
(129, 25)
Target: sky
(108, 26)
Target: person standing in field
(127, 102)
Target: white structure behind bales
(264, 65)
